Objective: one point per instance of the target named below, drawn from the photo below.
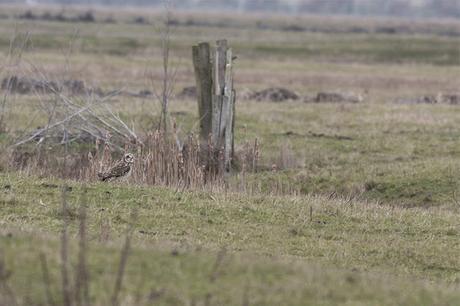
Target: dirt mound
(141, 94)
(145, 93)
(452, 99)
(244, 94)
(191, 93)
(335, 97)
(75, 87)
(275, 94)
(417, 100)
(26, 85)
(188, 93)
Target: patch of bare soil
(452, 99)
(27, 85)
(244, 94)
(334, 97)
(141, 94)
(349, 81)
(188, 93)
(315, 135)
(24, 85)
(274, 94)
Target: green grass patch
(288, 250)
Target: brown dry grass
(159, 160)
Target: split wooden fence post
(216, 98)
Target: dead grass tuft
(160, 160)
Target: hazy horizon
(390, 8)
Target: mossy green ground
(276, 251)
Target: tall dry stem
(7, 296)
(123, 261)
(82, 274)
(168, 77)
(66, 288)
(46, 280)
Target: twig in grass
(217, 264)
(82, 277)
(104, 234)
(138, 298)
(245, 301)
(46, 280)
(455, 199)
(7, 295)
(215, 273)
(332, 195)
(123, 260)
(66, 289)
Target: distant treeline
(399, 8)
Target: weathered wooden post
(216, 98)
(203, 76)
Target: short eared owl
(122, 168)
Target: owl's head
(128, 158)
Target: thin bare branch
(46, 280)
(39, 131)
(122, 265)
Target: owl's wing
(118, 170)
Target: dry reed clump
(159, 160)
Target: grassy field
(363, 209)
(288, 250)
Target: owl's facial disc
(128, 158)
